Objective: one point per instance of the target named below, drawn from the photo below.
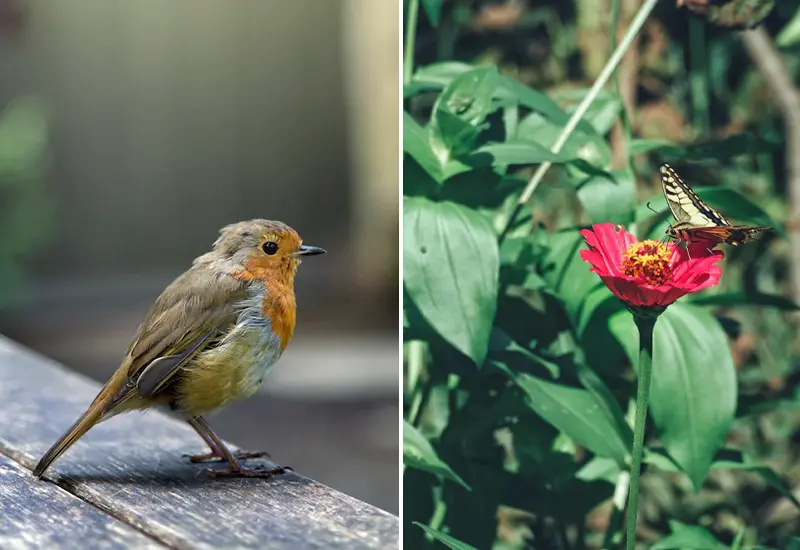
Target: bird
(209, 339)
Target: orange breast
(279, 304)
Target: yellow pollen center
(648, 261)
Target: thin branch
(776, 75)
(572, 123)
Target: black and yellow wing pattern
(695, 220)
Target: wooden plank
(131, 466)
(42, 515)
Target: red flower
(649, 273)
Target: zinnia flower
(649, 274)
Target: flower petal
(610, 243)
(693, 269)
(597, 255)
(632, 291)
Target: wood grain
(42, 515)
(132, 467)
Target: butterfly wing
(741, 234)
(695, 220)
(684, 203)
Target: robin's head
(260, 248)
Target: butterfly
(696, 221)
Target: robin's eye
(269, 247)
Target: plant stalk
(613, 535)
(411, 37)
(645, 326)
(577, 115)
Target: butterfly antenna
(665, 237)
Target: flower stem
(645, 324)
(411, 35)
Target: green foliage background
(26, 209)
(519, 379)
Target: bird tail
(100, 409)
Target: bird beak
(308, 250)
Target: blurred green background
(131, 132)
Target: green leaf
(537, 128)
(603, 111)
(734, 205)
(737, 542)
(533, 281)
(690, 358)
(760, 299)
(790, 33)
(641, 146)
(478, 188)
(539, 102)
(418, 453)
(592, 327)
(609, 408)
(599, 468)
(607, 200)
(566, 273)
(439, 75)
(512, 250)
(591, 169)
(433, 9)
(417, 182)
(577, 413)
(417, 144)
(508, 90)
(688, 537)
(502, 342)
(516, 152)
(451, 262)
(586, 299)
(460, 110)
(421, 493)
(445, 539)
(722, 149)
(733, 459)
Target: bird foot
(240, 471)
(238, 455)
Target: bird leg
(216, 455)
(222, 453)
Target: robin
(209, 339)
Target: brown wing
(731, 234)
(188, 317)
(741, 234)
(710, 234)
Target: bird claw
(238, 455)
(234, 471)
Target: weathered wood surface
(132, 468)
(43, 515)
